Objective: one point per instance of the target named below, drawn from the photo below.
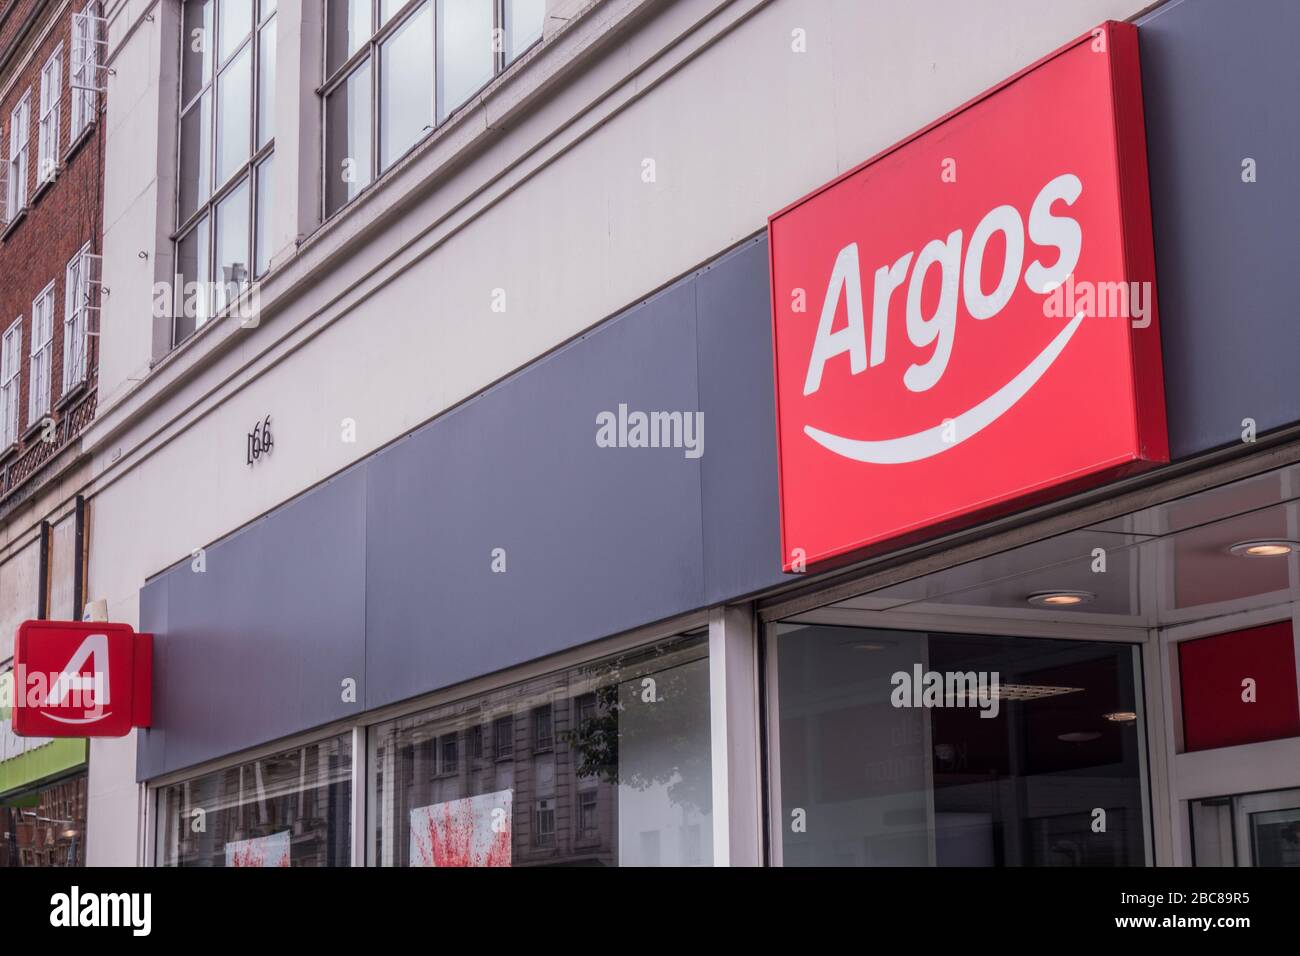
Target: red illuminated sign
(74, 679)
(966, 323)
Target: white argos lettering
(1045, 230)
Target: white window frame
(82, 68)
(47, 135)
(16, 194)
(11, 349)
(41, 356)
(76, 301)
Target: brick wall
(59, 218)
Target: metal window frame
(369, 51)
(204, 214)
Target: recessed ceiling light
(1266, 548)
(1121, 717)
(1060, 598)
(1079, 736)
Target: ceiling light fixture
(1264, 548)
(1121, 717)
(1078, 736)
(1060, 598)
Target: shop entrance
(1147, 704)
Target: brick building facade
(52, 151)
(51, 226)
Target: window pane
(406, 87)
(196, 156)
(387, 8)
(266, 85)
(347, 143)
(349, 29)
(265, 184)
(465, 57)
(267, 8)
(235, 20)
(196, 49)
(523, 25)
(45, 826)
(624, 781)
(899, 749)
(234, 112)
(191, 309)
(232, 247)
(290, 809)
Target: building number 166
(260, 441)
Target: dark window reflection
(1052, 776)
(45, 826)
(289, 809)
(605, 764)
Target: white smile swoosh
(76, 720)
(896, 451)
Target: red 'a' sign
(75, 679)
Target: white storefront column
(734, 724)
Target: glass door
(1255, 829)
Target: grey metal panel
(597, 540)
(1220, 80)
(742, 537)
(153, 620)
(257, 645)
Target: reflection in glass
(232, 261)
(196, 160)
(290, 809)
(604, 764)
(266, 84)
(191, 309)
(234, 114)
(349, 29)
(1275, 837)
(262, 240)
(523, 25)
(347, 139)
(236, 19)
(465, 55)
(46, 826)
(405, 86)
(196, 48)
(1011, 778)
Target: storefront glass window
(45, 826)
(897, 748)
(289, 809)
(604, 764)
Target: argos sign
(966, 323)
(74, 679)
